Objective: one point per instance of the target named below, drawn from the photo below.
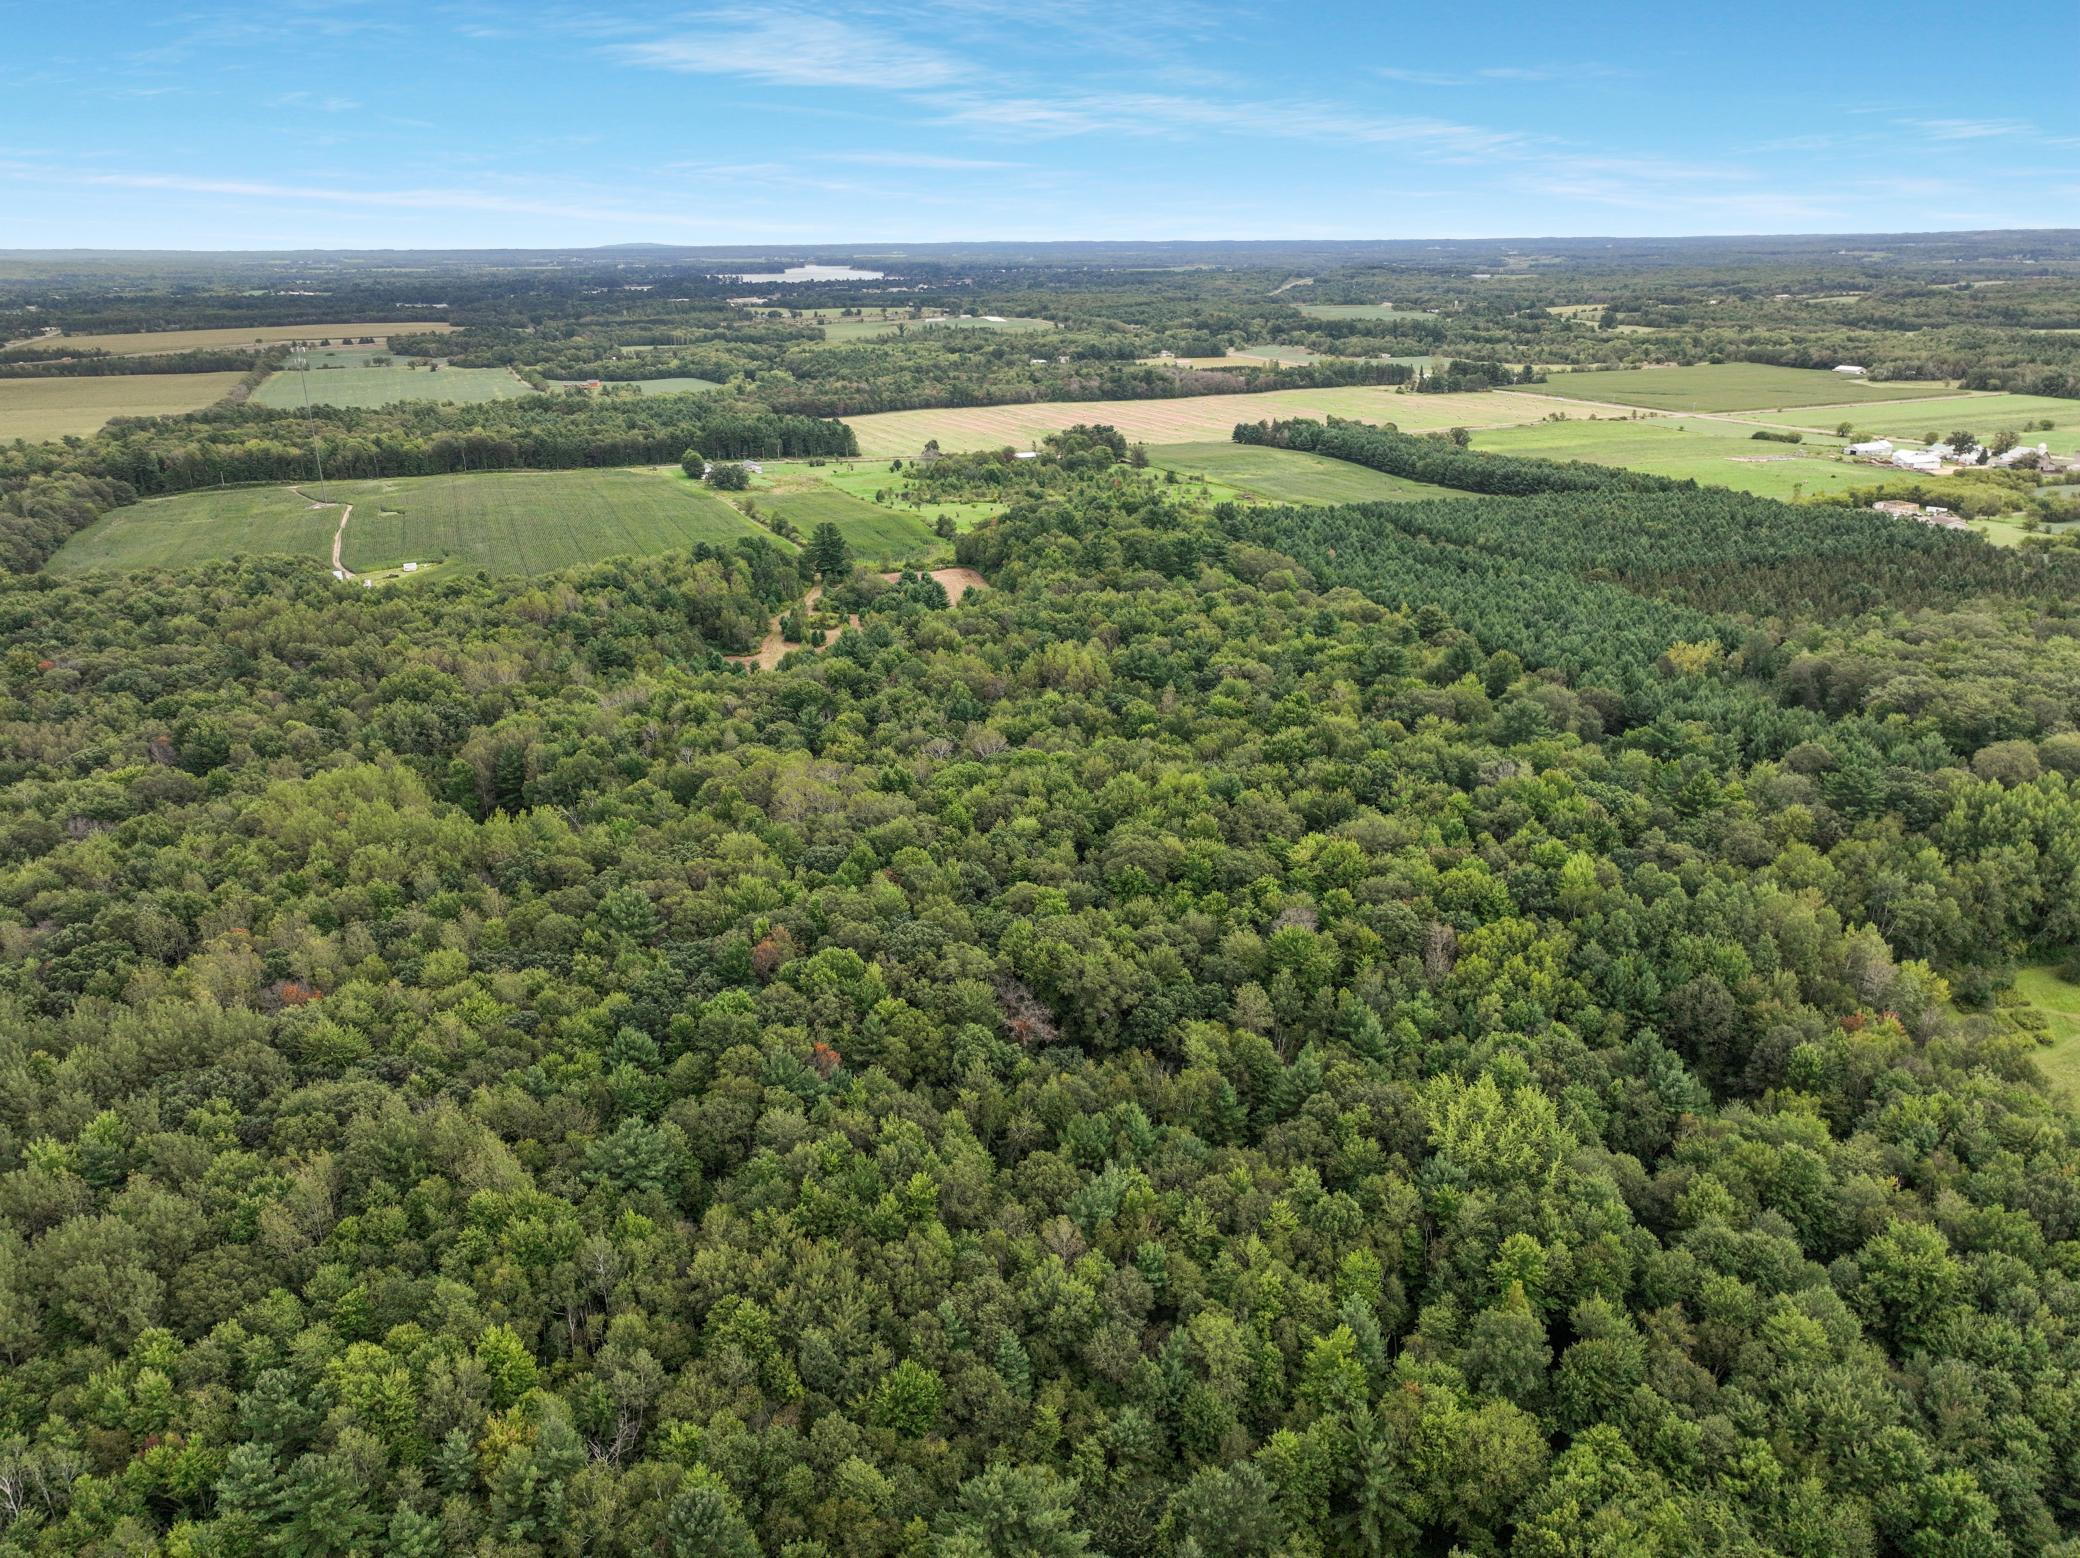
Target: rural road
(339, 536)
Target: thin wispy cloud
(783, 47)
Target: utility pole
(310, 430)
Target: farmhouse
(1854, 370)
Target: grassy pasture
(864, 478)
(151, 342)
(1190, 419)
(354, 378)
(40, 409)
(1723, 454)
(1732, 386)
(527, 521)
(1984, 415)
(1285, 475)
(200, 527)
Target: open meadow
(150, 342)
(1347, 310)
(41, 409)
(1732, 386)
(361, 378)
(1191, 419)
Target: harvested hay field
(1191, 419)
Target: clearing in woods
(360, 377)
(41, 409)
(2059, 1000)
(802, 495)
(1191, 419)
(1732, 386)
(145, 343)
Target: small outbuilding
(1854, 370)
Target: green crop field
(1732, 386)
(151, 342)
(202, 527)
(40, 409)
(1191, 419)
(1984, 415)
(1721, 453)
(507, 522)
(1286, 475)
(355, 378)
(527, 521)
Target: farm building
(1854, 370)
(1927, 460)
(1898, 506)
(2021, 453)
(1877, 447)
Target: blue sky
(374, 124)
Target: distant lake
(814, 273)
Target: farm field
(506, 522)
(200, 527)
(1191, 419)
(1733, 386)
(150, 342)
(353, 378)
(1285, 475)
(1721, 453)
(1984, 415)
(527, 521)
(40, 409)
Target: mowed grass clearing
(1720, 453)
(1286, 475)
(2059, 1001)
(1349, 310)
(41, 409)
(802, 495)
(198, 527)
(356, 378)
(152, 342)
(1191, 419)
(1732, 386)
(527, 522)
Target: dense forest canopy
(1470, 1024)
